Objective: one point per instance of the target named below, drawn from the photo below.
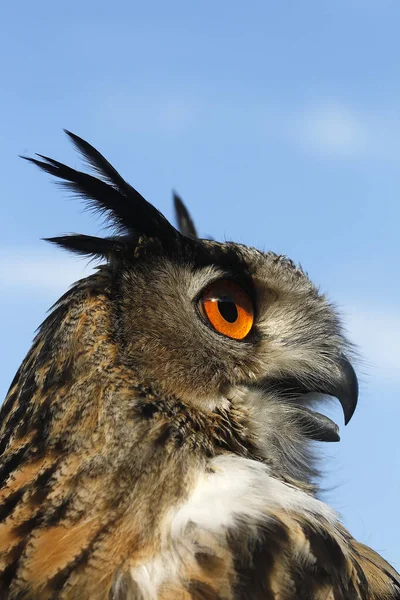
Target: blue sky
(278, 123)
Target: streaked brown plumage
(146, 456)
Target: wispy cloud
(39, 272)
(377, 335)
(335, 129)
(328, 126)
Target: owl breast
(204, 538)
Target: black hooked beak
(342, 384)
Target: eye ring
(228, 308)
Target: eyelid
(242, 281)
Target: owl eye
(228, 308)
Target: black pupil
(228, 309)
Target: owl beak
(343, 386)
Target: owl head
(213, 324)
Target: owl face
(211, 323)
(222, 318)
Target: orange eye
(228, 308)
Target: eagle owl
(156, 442)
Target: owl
(157, 441)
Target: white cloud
(334, 129)
(39, 272)
(324, 126)
(377, 335)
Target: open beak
(342, 384)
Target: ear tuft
(109, 193)
(185, 222)
(88, 245)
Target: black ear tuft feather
(102, 196)
(101, 165)
(87, 245)
(183, 218)
(110, 193)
